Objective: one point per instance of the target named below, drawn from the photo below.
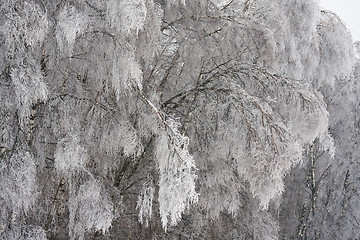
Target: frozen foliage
(90, 209)
(218, 187)
(70, 24)
(145, 201)
(70, 156)
(29, 87)
(149, 40)
(221, 3)
(337, 53)
(177, 174)
(308, 120)
(127, 15)
(18, 183)
(25, 29)
(126, 75)
(25, 233)
(274, 146)
(307, 127)
(121, 136)
(357, 51)
(176, 3)
(263, 225)
(273, 151)
(18, 193)
(264, 170)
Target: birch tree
(162, 119)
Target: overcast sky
(348, 11)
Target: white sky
(348, 11)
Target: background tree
(324, 192)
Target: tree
(172, 114)
(322, 192)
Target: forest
(178, 119)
